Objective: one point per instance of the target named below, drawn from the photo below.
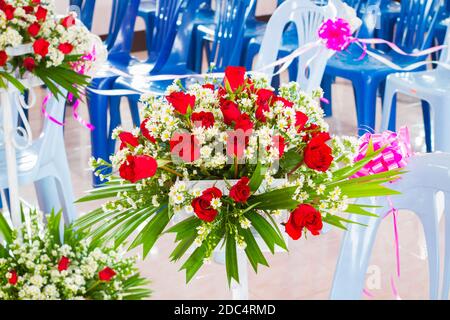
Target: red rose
(29, 64)
(14, 278)
(63, 264)
(181, 101)
(36, 1)
(34, 29)
(9, 11)
(235, 77)
(68, 21)
(286, 103)
(300, 120)
(244, 122)
(230, 111)
(209, 86)
(185, 146)
(126, 139)
(264, 100)
(40, 47)
(304, 216)
(202, 208)
(41, 13)
(106, 274)
(145, 131)
(279, 143)
(203, 119)
(136, 168)
(65, 48)
(237, 141)
(212, 193)
(318, 155)
(3, 58)
(240, 192)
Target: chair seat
(435, 81)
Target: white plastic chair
(44, 162)
(307, 18)
(432, 86)
(427, 175)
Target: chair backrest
(445, 54)
(173, 32)
(416, 24)
(427, 175)
(86, 11)
(307, 17)
(231, 16)
(121, 28)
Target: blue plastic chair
(306, 18)
(119, 43)
(44, 162)
(147, 10)
(432, 87)
(414, 30)
(427, 175)
(86, 8)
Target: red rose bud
(230, 111)
(234, 77)
(304, 216)
(209, 86)
(145, 131)
(106, 274)
(128, 139)
(40, 47)
(181, 101)
(185, 147)
(68, 21)
(13, 278)
(202, 208)
(34, 29)
(63, 264)
(264, 101)
(28, 9)
(243, 122)
(3, 58)
(65, 48)
(212, 193)
(9, 11)
(240, 192)
(300, 120)
(318, 155)
(203, 119)
(136, 168)
(41, 14)
(29, 64)
(36, 1)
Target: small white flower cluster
(32, 267)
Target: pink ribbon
(336, 34)
(395, 154)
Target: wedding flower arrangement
(232, 165)
(39, 263)
(33, 40)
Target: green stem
(171, 171)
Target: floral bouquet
(228, 160)
(37, 262)
(57, 50)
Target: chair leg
(441, 129)
(365, 100)
(326, 85)
(252, 51)
(65, 190)
(134, 109)
(115, 121)
(98, 106)
(427, 125)
(446, 280)
(356, 249)
(240, 290)
(198, 45)
(388, 120)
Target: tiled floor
(306, 272)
